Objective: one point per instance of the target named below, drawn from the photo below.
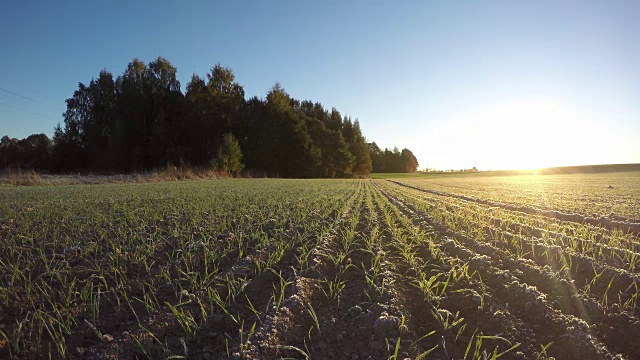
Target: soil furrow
(526, 302)
(626, 226)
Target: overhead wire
(30, 99)
(29, 111)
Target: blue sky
(499, 84)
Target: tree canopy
(229, 156)
(392, 161)
(142, 120)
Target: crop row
(559, 252)
(265, 269)
(605, 300)
(614, 247)
(613, 223)
(613, 196)
(109, 271)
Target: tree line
(392, 161)
(142, 120)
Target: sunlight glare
(526, 135)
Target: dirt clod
(386, 325)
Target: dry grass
(170, 173)
(22, 178)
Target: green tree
(99, 124)
(357, 146)
(196, 115)
(166, 130)
(337, 161)
(142, 120)
(409, 160)
(287, 141)
(135, 117)
(225, 99)
(229, 156)
(376, 157)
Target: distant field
(566, 170)
(433, 265)
(397, 175)
(610, 195)
(429, 175)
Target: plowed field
(431, 268)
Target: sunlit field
(448, 267)
(611, 195)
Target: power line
(24, 86)
(34, 113)
(28, 98)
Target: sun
(533, 135)
(521, 134)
